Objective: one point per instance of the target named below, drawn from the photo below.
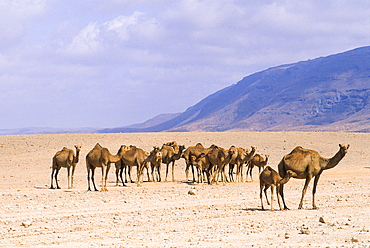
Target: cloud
(139, 56)
(15, 17)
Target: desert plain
(163, 214)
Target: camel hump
(269, 168)
(97, 146)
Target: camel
(203, 165)
(308, 164)
(154, 157)
(171, 153)
(101, 157)
(235, 160)
(136, 157)
(247, 156)
(240, 157)
(218, 157)
(194, 151)
(258, 161)
(65, 158)
(270, 178)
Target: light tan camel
(101, 157)
(65, 158)
(270, 178)
(169, 155)
(247, 157)
(308, 164)
(258, 161)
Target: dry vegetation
(164, 214)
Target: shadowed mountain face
(328, 93)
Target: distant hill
(328, 93)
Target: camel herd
(207, 165)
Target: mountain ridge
(313, 95)
(330, 93)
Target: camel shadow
(253, 209)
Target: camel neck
(332, 162)
(285, 179)
(77, 158)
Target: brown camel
(235, 160)
(203, 166)
(194, 151)
(258, 161)
(65, 158)
(240, 157)
(308, 164)
(154, 157)
(136, 157)
(247, 157)
(270, 178)
(219, 157)
(101, 157)
(169, 155)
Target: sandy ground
(164, 214)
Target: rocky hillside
(328, 93)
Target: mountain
(328, 93)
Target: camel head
(78, 148)
(157, 153)
(291, 174)
(343, 148)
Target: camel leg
(192, 170)
(265, 190)
(272, 197)
(159, 172)
(281, 192)
(308, 179)
(173, 171)
(93, 178)
(187, 171)
(317, 177)
(52, 178)
(102, 177)
(237, 174)
(117, 172)
(261, 196)
(69, 177)
(88, 177)
(56, 177)
(73, 175)
(277, 195)
(251, 172)
(147, 172)
(165, 179)
(241, 173)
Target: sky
(112, 63)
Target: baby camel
(270, 178)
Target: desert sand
(163, 214)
